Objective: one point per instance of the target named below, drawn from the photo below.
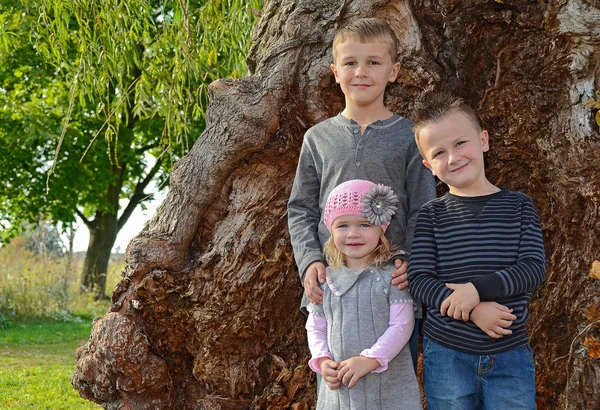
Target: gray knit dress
(356, 304)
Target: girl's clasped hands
(347, 372)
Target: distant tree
(98, 98)
(44, 238)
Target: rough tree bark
(206, 314)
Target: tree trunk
(106, 225)
(206, 314)
(70, 232)
(103, 233)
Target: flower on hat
(379, 204)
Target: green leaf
(126, 74)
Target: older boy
(477, 243)
(365, 141)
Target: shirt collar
(342, 279)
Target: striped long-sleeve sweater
(497, 247)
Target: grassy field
(44, 317)
(37, 361)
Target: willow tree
(206, 314)
(100, 97)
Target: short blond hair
(432, 107)
(366, 30)
(381, 254)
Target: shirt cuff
(383, 362)
(393, 340)
(312, 258)
(489, 287)
(400, 254)
(314, 363)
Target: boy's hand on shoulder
(493, 318)
(329, 372)
(315, 274)
(400, 275)
(356, 367)
(460, 303)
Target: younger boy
(365, 141)
(476, 243)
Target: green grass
(44, 317)
(37, 361)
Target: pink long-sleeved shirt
(389, 344)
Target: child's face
(356, 238)
(453, 149)
(363, 70)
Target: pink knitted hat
(358, 197)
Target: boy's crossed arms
(493, 318)
(464, 304)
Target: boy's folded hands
(493, 318)
(460, 303)
(463, 304)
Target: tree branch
(138, 195)
(148, 147)
(86, 221)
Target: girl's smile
(356, 238)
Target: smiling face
(363, 70)
(356, 238)
(453, 149)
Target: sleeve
(529, 270)
(316, 331)
(420, 189)
(399, 254)
(397, 335)
(423, 281)
(304, 213)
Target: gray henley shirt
(335, 151)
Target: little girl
(357, 336)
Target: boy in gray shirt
(365, 141)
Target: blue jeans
(460, 381)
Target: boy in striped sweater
(477, 254)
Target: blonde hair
(366, 30)
(381, 254)
(432, 107)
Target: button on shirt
(334, 151)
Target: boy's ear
(428, 166)
(394, 73)
(335, 73)
(485, 141)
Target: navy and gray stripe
(499, 249)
